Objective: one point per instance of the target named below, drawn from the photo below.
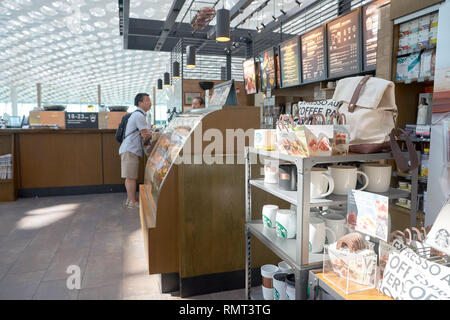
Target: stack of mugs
(283, 220)
(278, 282)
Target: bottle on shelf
(424, 162)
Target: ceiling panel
(70, 47)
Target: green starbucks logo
(276, 294)
(281, 231)
(267, 221)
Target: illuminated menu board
(267, 66)
(370, 34)
(313, 55)
(343, 41)
(290, 63)
(250, 76)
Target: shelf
(331, 200)
(316, 160)
(284, 248)
(7, 181)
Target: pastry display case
(190, 206)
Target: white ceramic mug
(337, 224)
(269, 213)
(379, 176)
(320, 182)
(271, 171)
(284, 267)
(267, 272)
(317, 234)
(345, 178)
(286, 224)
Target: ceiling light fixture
(176, 70)
(299, 3)
(275, 18)
(191, 52)
(223, 25)
(166, 79)
(283, 12)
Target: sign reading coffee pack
(81, 120)
(325, 107)
(410, 277)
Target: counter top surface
(9, 131)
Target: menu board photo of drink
(313, 55)
(370, 34)
(290, 63)
(343, 40)
(267, 70)
(250, 76)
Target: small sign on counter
(81, 120)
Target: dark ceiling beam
(284, 18)
(145, 28)
(172, 16)
(124, 5)
(237, 9)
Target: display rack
(296, 251)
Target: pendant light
(190, 50)
(223, 25)
(159, 84)
(176, 70)
(166, 79)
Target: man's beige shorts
(130, 165)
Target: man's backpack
(120, 133)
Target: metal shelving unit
(296, 251)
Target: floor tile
(33, 260)
(65, 258)
(102, 270)
(108, 292)
(55, 290)
(20, 286)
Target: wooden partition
(198, 229)
(8, 188)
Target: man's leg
(130, 185)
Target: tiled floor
(41, 237)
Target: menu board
(250, 76)
(371, 15)
(267, 66)
(313, 55)
(343, 40)
(290, 63)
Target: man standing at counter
(198, 103)
(136, 132)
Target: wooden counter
(65, 161)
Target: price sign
(82, 120)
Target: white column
(14, 100)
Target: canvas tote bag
(368, 104)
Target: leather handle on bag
(400, 160)
(355, 97)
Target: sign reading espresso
(343, 42)
(81, 120)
